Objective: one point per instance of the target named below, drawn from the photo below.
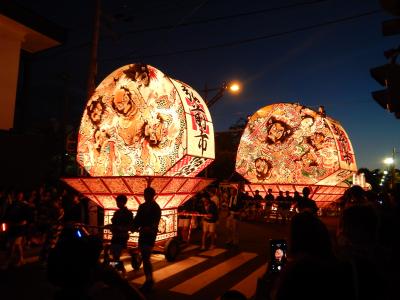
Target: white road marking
(172, 269)
(196, 283)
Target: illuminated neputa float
(140, 128)
(286, 147)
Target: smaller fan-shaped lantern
(289, 146)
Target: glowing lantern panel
(292, 144)
(141, 122)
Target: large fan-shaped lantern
(289, 146)
(142, 122)
(143, 128)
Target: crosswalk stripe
(189, 248)
(248, 285)
(154, 257)
(157, 257)
(128, 267)
(213, 252)
(196, 283)
(172, 269)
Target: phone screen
(278, 255)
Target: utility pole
(93, 210)
(91, 80)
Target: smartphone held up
(278, 255)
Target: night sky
(311, 52)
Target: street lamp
(232, 87)
(388, 161)
(391, 165)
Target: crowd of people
(35, 217)
(206, 208)
(358, 261)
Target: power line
(222, 18)
(198, 22)
(249, 40)
(188, 15)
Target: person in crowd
(146, 221)
(73, 212)
(214, 197)
(307, 204)
(32, 216)
(121, 224)
(223, 212)
(74, 269)
(389, 239)
(311, 256)
(185, 220)
(17, 216)
(197, 206)
(354, 196)
(33, 198)
(269, 199)
(280, 197)
(249, 208)
(279, 203)
(45, 215)
(257, 197)
(357, 240)
(293, 204)
(288, 198)
(249, 198)
(232, 224)
(311, 253)
(296, 199)
(66, 200)
(225, 197)
(258, 202)
(285, 206)
(54, 225)
(239, 201)
(241, 196)
(211, 210)
(358, 228)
